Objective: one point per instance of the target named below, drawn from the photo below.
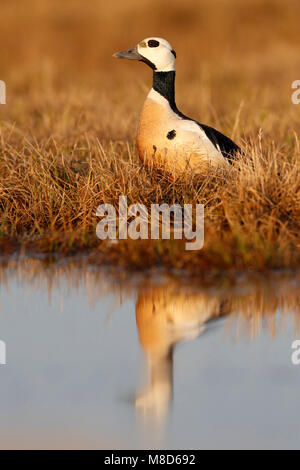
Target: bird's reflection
(166, 315)
(168, 309)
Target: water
(98, 362)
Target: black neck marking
(164, 84)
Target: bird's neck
(164, 84)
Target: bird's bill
(131, 54)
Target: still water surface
(95, 361)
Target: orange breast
(156, 150)
(152, 127)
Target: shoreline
(117, 271)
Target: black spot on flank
(153, 43)
(174, 53)
(171, 134)
(154, 148)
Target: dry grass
(67, 132)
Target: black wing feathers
(227, 147)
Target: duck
(167, 139)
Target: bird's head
(155, 52)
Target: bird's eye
(153, 43)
